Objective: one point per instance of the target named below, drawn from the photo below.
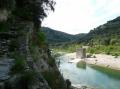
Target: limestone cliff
(23, 63)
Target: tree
(7, 4)
(30, 10)
(106, 41)
(113, 41)
(34, 10)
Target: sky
(81, 16)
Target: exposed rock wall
(3, 15)
(41, 63)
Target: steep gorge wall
(36, 58)
(40, 59)
(25, 64)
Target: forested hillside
(106, 34)
(54, 36)
(103, 39)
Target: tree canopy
(34, 10)
(30, 10)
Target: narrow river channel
(93, 76)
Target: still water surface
(97, 77)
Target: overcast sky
(80, 16)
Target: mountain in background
(54, 36)
(108, 33)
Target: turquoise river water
(93, 76)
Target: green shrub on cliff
(4, 27)
(29, 77)
(19, 65)
(41, 39)
(54, 79)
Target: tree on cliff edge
(29, 10)
(34, 10)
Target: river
(93, 76)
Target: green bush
(107, 51)
(110, 49)
(41, 38)
(89, 55)
(19, 65)
(4, 27)
(29, 76)
(92, 51)
(54, 79)
(67, 48)
(113, 41)
(115, 54)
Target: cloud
(81, 16)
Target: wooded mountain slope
(108, 33)
(54, 36)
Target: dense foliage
(56, 37)
(34, 10)
(107, 34)
(103, 39)
(30, 10)
(66, 47)
(109, 50)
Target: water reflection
(115, 74)
(89, 75)
(81, 65)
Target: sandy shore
(100, 60)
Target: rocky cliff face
(4, 15)
(24, 65)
